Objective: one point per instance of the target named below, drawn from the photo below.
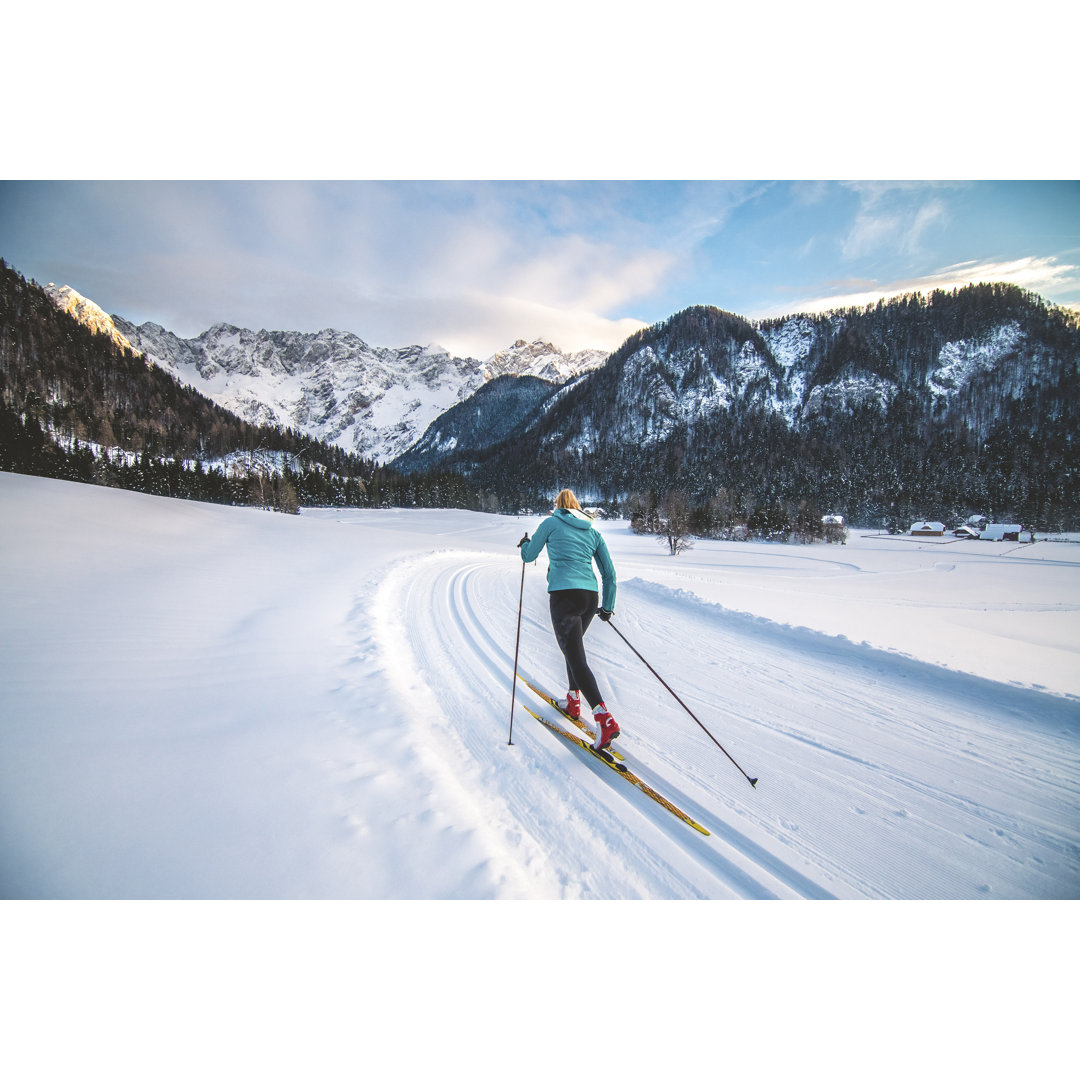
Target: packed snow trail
(880, 776)
(213, 702)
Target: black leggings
(571, 612)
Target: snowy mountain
(329, 385)
(705, 369)
(971, 353)
(938, 405)
(866, 410)
(498, 410)
(975, 351)
(333, 386)
(542, 360)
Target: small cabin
(928, 528)
(995, 531)
(833, 527)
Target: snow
(960, 361)
(790, 341)
(332, 385)
(213, 703)
(850, 391)
(327, 698)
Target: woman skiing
(573, 545)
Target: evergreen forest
(636, 437)
(1004, 444)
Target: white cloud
(474, 267)
(1042, 275)
(504, 319)
(478, 287)
(810, 192)
(891, 217)
(931, 215)
(468, 266)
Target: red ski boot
(571, 704)
(609, 730)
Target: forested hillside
(935, 406)
(75, 405)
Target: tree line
(74, 405)
(676, 520)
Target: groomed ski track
(880, 776)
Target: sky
(469, 175)
(475, 265)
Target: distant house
(833, 526)
(995, 531)
(928, 528)
(966, 532)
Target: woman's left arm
(607, 573)
(532, 548)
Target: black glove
(524, 540)
(604, 615)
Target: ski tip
(753, 781)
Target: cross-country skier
(573, 545)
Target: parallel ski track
(845, 766)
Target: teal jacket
(573, 545)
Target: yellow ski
(621, 769)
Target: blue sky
(475, 265)
(475, 94)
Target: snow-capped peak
(330, 385)
(86, 312)
(543, 360)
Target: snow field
(320, 707)
(215, 703)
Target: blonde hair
(566, 500)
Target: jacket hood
(573, 517)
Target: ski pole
(753, 779)
(517, 644)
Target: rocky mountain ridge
(329, 385)
(957, 401)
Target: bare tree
(674, 525)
